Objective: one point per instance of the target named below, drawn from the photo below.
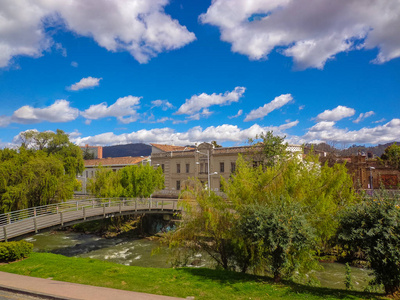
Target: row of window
(204, 168)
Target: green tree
(277, 238)
(130, 181)
(392, 156)
(32, 178)
(267, 149)
(373, 226)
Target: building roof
(112, 161)
(169, 148)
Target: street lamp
(370, 179)
(208, 170)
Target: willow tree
(130, 181)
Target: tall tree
(392, 156)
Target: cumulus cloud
(85, 83)
(363, 116)
(261, 112)
(140, 27)
(60, 111)
(310, 33)
(124, 109)
(239, 113)
(164, 104)
(336, 114)
(202, 101)
(327, 132)
(222, 133)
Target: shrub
(373, 227)
(11, 251)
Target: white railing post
(120, 208)
(162, 205)
(135, 204)
(57, 208)
(5, 233)
(92, 203)
(8, 218)
(61, 219)
(104, 210)
(173, 206)
(84, 213)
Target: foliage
(31, 178)
(392, 156)
(87, 154)
(130, 181)
(208, 225)
(348, 281)
(320, 190)
(56, 144)
(11, 251)
(373, 226)
(267, 149)
(277, 237)
(201, 283)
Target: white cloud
(5, 121)
(311, 33)
(58, 112)
(380, 121)
(85, 83)
(164, 104)
(261, 112)
(74, 64)
(327, 132)
(363, 116)
(336, 114)
(239, 113)
(202, 101)
(223, 133)
(124, 109)
(140, 27)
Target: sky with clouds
(182, 71)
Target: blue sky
(181, 71)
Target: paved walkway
(52, 289)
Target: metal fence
(28, 220)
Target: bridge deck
(34, 219)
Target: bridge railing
(56, 208)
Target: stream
(137, 252)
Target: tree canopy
(130, 181)
(40, 172)
(392, 156)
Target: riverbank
(181, 282)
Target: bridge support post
(61, 219)
(84, 213)
(5, 233)
(35, 224)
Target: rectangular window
(187, 168)
(178, 185)
(221, 167)
(178, 168)
(233, 167)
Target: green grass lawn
(181, 282)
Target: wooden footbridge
(32, 220)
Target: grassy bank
(182, 282)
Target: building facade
(204, 162)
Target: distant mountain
(133, 150)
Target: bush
(373, 227)
(11, 251)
